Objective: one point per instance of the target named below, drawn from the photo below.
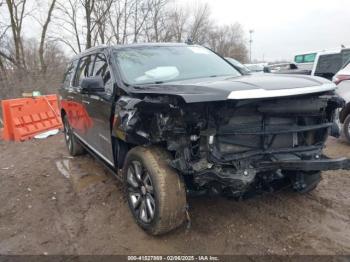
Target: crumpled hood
(243, 87)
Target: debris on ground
(47, 134)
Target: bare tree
(95, 14)
(43, 36)
(69, 23)
(141, 13)
(88, 6)
(84, 21)
(81, 24)
(114, 20)
(178, 22)
(128, 9)
(16, 10)
(228, 40)
(100, 10)
(200, 25)
(156, 28)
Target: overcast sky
(285, 27)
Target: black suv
(174, 120)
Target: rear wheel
(73, 145)
(156, 194)
(346, 128)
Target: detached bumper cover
(308, 165)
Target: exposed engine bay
(235, 147)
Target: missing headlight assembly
(236, 147)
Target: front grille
(249, 131)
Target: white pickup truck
(324, 63)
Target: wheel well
(344, 113)
(120, 150)
(63, 113)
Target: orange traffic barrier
(26, 117)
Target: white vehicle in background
(305, 61)
(342, 80)
(324, 63)
(242, 68)
(257, 68)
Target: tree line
(37, 36)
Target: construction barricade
(23, 118)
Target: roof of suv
(102, 47)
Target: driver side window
(83, 70)
(101, 68)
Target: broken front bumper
(322, 164)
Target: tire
(156, 194)
(72, 142)
(346, 128)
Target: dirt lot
(54, 204)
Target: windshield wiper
(212, 76)
(152, 83)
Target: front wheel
(346, 128)
(156, 194)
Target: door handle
(85, 102)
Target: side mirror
(93, 84)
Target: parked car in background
(342, 80)
(305, 61)
(287, 68)
(323, 63)
(282, 67)
(242, 68)
(327, 64)
(256, 68)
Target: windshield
(158, 64)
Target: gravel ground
(54, 204)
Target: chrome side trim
(93, 149)
(263, 93)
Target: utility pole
(251, 31)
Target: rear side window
(83, 70)
(69, 74)
(101, 68)
(307, 58)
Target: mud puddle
(82, 174)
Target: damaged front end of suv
(239, 146)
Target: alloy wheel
(67, 134)
(140, 192)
